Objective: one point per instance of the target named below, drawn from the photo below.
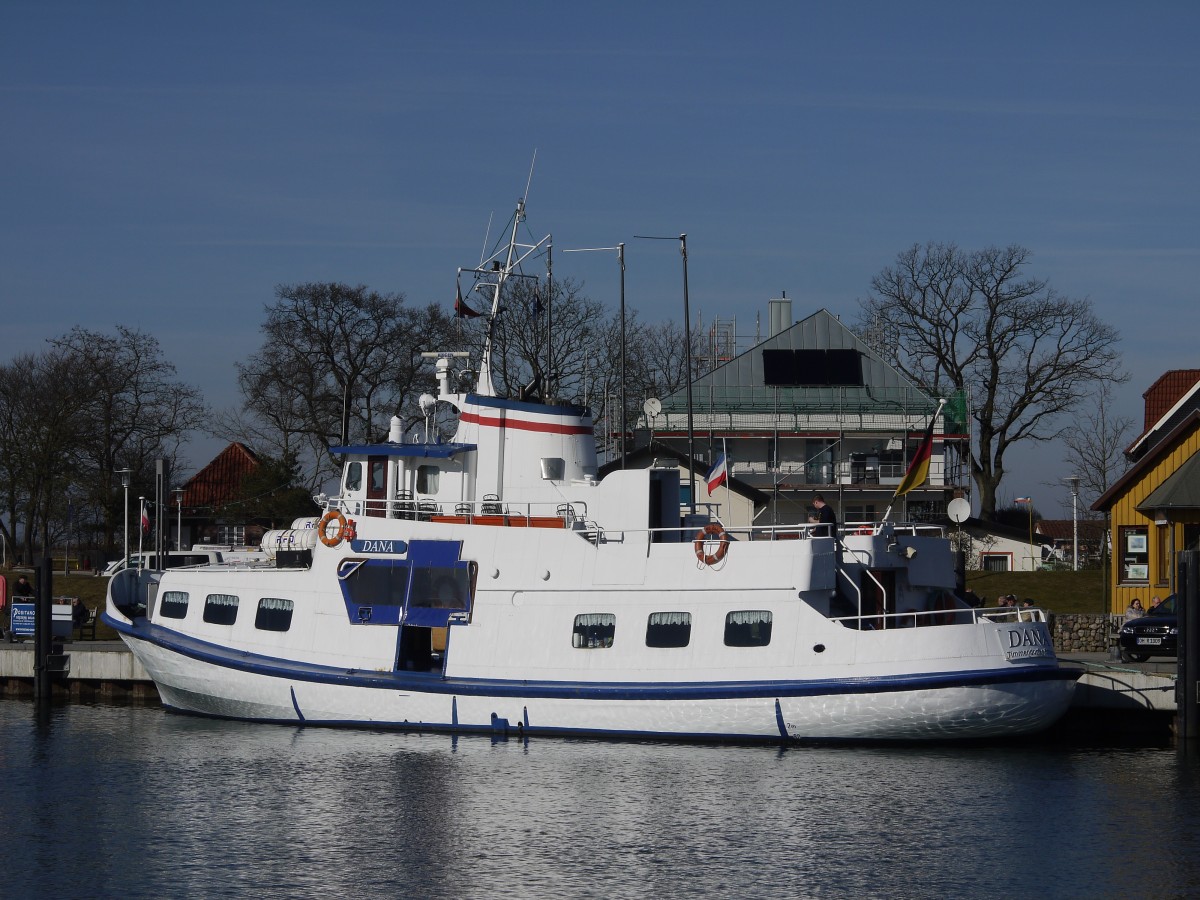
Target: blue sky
(165, 165)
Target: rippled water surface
(133, 802)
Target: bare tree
(337, 362)
(134, 411)
(1096, 444)
(954, 321)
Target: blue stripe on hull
(437, 684)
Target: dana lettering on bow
(1026, 643)
(380, 546)
(1026, 637)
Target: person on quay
(1134, 610)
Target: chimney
(779, 315)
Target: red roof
(1165, 393)
(219, 481)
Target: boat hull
(930, 706)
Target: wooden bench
(88, 625)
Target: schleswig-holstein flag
(718, 474)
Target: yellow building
(1155, 506)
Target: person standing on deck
(825, 516)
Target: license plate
(1153, 641)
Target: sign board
(22, 619)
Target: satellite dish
(427, 402)
(959, 510)
(652, 407)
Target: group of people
(1009, 601)
(1135, 610)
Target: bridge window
(354, 476)
(427, 479)
(748, 628)
(594, 631)
(220, 609)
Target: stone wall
(1080, 633)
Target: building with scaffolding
(814, 410)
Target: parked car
(1154, 634)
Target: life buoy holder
(706, 535)
(344, 531)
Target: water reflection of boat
(494, 583)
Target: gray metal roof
(740, 384)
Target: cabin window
(1134, 553)
(748, 628)
(594, 631)
(274, 614)
(427, 479)
(173, 604)
(354, 476)
(669, 629)
(220, 609)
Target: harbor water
(129, 801)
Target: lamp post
(178, 518)
(125, 473)
(687, 356)
(620, 248)
(1028, 501)
(1073, 481)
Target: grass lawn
(1059, 592)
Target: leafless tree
(337, 362)
(973, 322)
(134, 409)
(1096, 443)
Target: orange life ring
(711, 531)
(332, 540)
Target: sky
(165, 166)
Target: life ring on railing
(710, 532)
(340, 534)
(864, 529)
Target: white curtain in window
(594, 620)
(749, 617)
(671, 618)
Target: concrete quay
(99, 669)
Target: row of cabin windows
(274, 613)
(427, 478)
(743, 628)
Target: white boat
(495, 584)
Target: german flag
(918, 469)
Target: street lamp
(620, 248)
(125, 473)
(687, 356)
(178, 518)
(1073, 481)
(1028, 501)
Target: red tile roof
(1165, 393)
(218, 482)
